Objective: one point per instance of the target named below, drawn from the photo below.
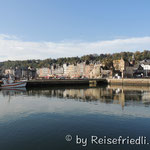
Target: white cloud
(13, 48)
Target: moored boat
(10, 83)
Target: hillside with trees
(105, 58)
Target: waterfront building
(123, 68)
(81, 69)
(95, 73)
(65, 69)
(43, 72)
(88, 69)
(120, 64)
(71, 70)
(145, 64)
(57, 70)
(105, 73)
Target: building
(57, 70)
(95, 73)
(120, 64)
(88, 69)
(145, 64)
(105, 73)
(43, 72)
(123, 68)
(81, 69)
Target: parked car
(61, 78)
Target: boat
(10, 83)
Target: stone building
(123, 68)
(95, 73)
(120, 64)
(105, 73)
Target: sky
(40, 29)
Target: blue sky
(79, 21)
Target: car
(61, 78)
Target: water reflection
(110, 100)
(13, 92)
(42, 117)
(123, 96)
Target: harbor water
(68, 117)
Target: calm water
(39, 119)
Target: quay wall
(80, 82)
(70, 82)
(134, 82)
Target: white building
(146, 66)
(43, 72)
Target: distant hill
(106, 58)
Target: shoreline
(88, 82)
(129, 82)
